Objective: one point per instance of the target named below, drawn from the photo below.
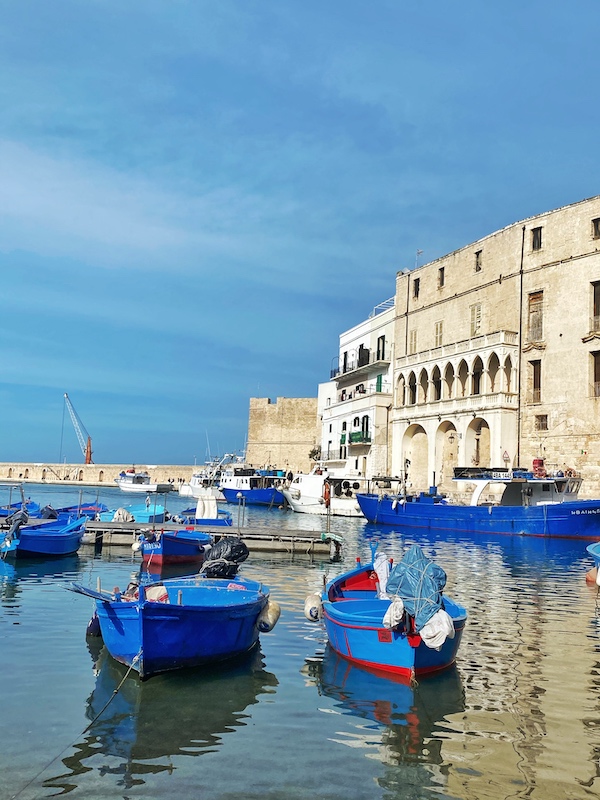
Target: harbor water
(519, 716)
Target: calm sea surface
(519, 717)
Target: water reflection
(408, 716)
(12, 574)
(145, 727)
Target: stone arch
(493, 369)
(462, 373)
(412, 389)
(449, 380)
(80, 475)
(446, 455)
(401, 391)
(508, 372)
(436, 383)
(26, 473)
(10, 472)
(477, 443)
(101, 475)
(415, 449)
(477, 376)
(423, 386)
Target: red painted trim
(386, 669)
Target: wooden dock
(124, 534)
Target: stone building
(497, 352)
(282, 434)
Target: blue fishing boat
(181, 622)
(593, 575)
(517, 502)
(206, 513)
(53, 538)
(396, 622)
(253, 487)
(172, 547)
(144, 513)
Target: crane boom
(83, 437)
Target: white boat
(205, 483)
(132, 481)
(324, 491)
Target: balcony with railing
(369, 395)
(360, 437)
(497, 340)
(360, 363)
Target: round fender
(267, 619)
(313, 607)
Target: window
(439, 330)
(416, 287)
(478, 254)
(330, 428)
(595, 321)
(536, 238)
(379, 383)
(355, 422)
(381, 348)
(441, 277)
(536, 381)
(412, 342)
(596, 374)
(535, 328)
(475, 319)
(596, 228)
(363, 355)
(541, 422)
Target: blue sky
(198, 197)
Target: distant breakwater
(90, 474)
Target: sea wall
(90, 474)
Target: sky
(198, 196)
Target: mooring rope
(85, 730)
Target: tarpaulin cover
(419, 582)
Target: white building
(355, 404)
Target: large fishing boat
(528, 503)
(260, 487)
(324, 491)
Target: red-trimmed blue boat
(353, 614)
(181, 622)
(593, 575)
(172, 547)
(531, 504)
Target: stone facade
(282, 434)
(90, 474)
(498, 352)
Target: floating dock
(124, 534)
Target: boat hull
(353, 617)
(594, 551)
(255, 497)
(174, 547)
(355, 631)
(48, 540)
(212, 623)
(339, 507)
(578, 519)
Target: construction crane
(85, 440)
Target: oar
(105, 597)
